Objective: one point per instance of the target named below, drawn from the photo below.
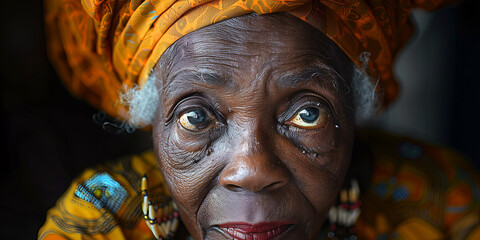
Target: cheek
(327, 149)
(319, 177)
(177, 154)
(182, 159)
(184, 149)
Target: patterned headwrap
(98, 46)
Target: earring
(162, 220)
(342, 217)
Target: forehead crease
(202, 77)
(326, 73)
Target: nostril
(233, 188)
(255, 172)
(272, 186)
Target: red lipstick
(259, 231)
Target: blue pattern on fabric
(400, 193)
(102, 191)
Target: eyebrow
(308, 74)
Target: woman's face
(254, 132)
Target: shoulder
(104, 202)
(416, 185)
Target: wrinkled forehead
(273, 42)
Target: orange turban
(97, 46)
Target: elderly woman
(252, 107)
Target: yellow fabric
(416, 191)
(76, 218)
(99, 45)
(417, 229)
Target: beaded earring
(162, 220)
(342, 217)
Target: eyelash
(313, 100)
(319, 102)
(194, 103)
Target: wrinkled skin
(245, 160)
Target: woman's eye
(309, 118)
(195, 120)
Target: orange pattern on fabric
(97, 46)
(54, 237)
(76, 218)
(417, 191)
(448, 207)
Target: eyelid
(312, 100)
(187, 110)
(198, 102)
(323, 115)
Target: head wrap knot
(97, 46)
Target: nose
(254, 167)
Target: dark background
(49, 137)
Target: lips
(259, 231)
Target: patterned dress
(410, 190)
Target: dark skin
(255, 125)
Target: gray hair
(143, 102)
(365, 99)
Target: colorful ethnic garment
(105, 203)
(98, 46)
(412, 191)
